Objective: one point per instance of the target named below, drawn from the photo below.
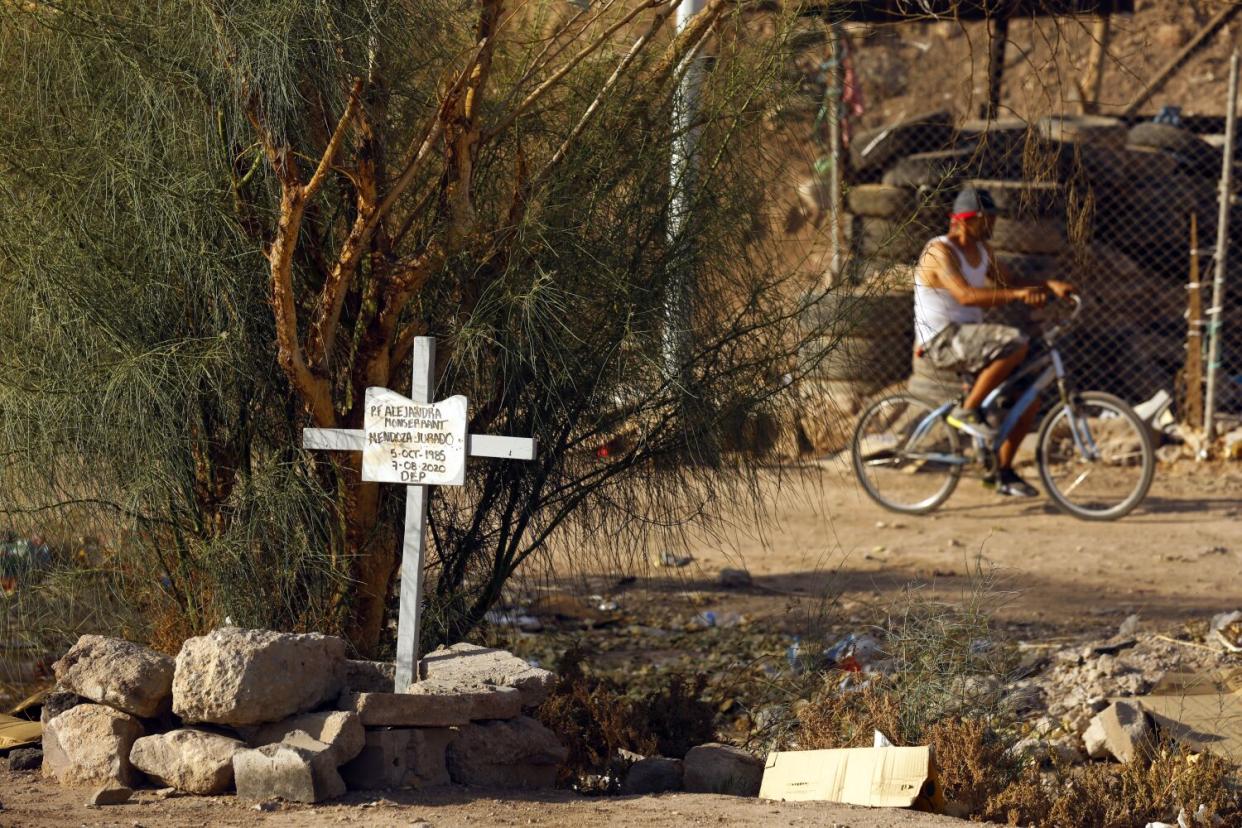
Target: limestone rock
(369, 676)
(25, 759)
(520, 753)
(299, 769)
(434, 704)
(470, 665)
(117, 673)
(338, 729)
(1128, 732)
(89, 745)
(400, 757)
(652, 776)
(110, 795)
(1095, 740)
(723, 769)
(243, 677)
(194, 761)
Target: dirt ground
(1175, 560)
(29, 801)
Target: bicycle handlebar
(1055, 331)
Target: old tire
(874, 150)
(891, 241)
(882, 201)
(944, 169)
(861, 359)
(1039, 236)
(870, 315)
(1024, 199)
(1083, 129)
(1035, 266)
(1193, 152)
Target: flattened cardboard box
(1200, 710)
(887, 777)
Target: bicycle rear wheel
(1103, 471)
(906, 460)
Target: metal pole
(1222, 249)
(836, 93)
(678, 308)
(999, 29)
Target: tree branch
(543, 88)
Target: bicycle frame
(1051, 370)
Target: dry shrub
(1116, 796)
(591, 718)
(594, 718)
(970, 755)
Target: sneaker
(969, 421)
(1010, 485)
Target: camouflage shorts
(971, 348)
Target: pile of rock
(277, 715)
(710, 768)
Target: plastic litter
(880, 740)
(1226, 630)
(854, 653)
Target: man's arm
(938, 268)
(1002, 275)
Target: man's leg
(993, 375)
(1009, 449)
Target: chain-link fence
(1113, 206)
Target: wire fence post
(836, 93)
(1222, 248)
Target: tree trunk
(372, 550)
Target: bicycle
(1095, 456)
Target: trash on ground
(667, 557)
(883, 777)
(15, 732)
(1202, 711)
(1226, 630)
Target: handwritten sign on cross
(419, 443)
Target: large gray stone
(520, 753)
(25, 759)
(722, 769)
(369, 676)
(89, 745)
(243, 677)
(117, 673)
(340, 730)
(194, 761)
(653, 775)
(400, 757)
(1128, 732)
(299, 769)
(435, 705)
(470, 665)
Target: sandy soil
(30, 801)
(1174, 559)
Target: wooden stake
(1193, 411)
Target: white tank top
(934, 308)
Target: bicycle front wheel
(906, 458)
(1095, 457)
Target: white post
(1222, 250)
(836, 94)
(678, 307)
(414, 542)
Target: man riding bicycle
(951, 289)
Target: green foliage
(141, 393)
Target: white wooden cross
(419, 443)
